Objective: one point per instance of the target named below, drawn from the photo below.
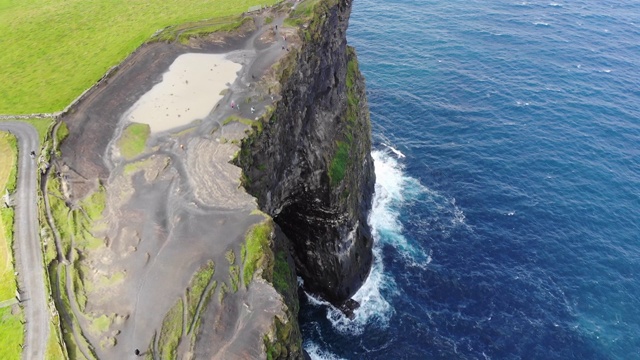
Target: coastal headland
(185, 191)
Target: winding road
(27, 243)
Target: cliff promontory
(199, 178)
(310, 167)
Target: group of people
(237, 107)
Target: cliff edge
(310, 167)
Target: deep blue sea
(507, 207)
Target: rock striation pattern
(310, 167)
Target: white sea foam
(372, 303)
(395, 151)
(394, 190)
(316, 353)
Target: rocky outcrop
(310, 166)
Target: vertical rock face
(310, 167)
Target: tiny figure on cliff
(253, 110)
(233, 104)
(33, 154)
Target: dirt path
(28, 247)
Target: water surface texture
(507, 206)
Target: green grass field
(10, 334)
(53, 50)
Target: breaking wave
(316, 353)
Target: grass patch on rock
(302, 13)
(95, 203)
(62, 133)
(101, 324)
(234, 276)
(257, 243)
(171, 332)
(114, 279)
(197, 287)
(254, 124)
(338, 165)
(133, 140)
(134, 167)
(281, 273)
(341, 159)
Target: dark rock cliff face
(310, 167)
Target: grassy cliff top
(53, 50)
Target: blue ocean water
(507, 206)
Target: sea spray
(316, 353)
(392, 188)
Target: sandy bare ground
(179, 204)
(188, 91)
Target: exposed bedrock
(311, 167)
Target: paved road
(27, 243)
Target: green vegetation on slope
(197, 287)
(338, 166)
(302, 13)
(79, 222)
(183, 32)
(11, 327)
(62, 133)
(54, 348)
(95, 203)
(171, 332)
(75, 226)
(255, 124)
(58, 280)
(133, 140)
(257, 239)
(281, 273)
(341, 159)
(53, 50)
(8, 170)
